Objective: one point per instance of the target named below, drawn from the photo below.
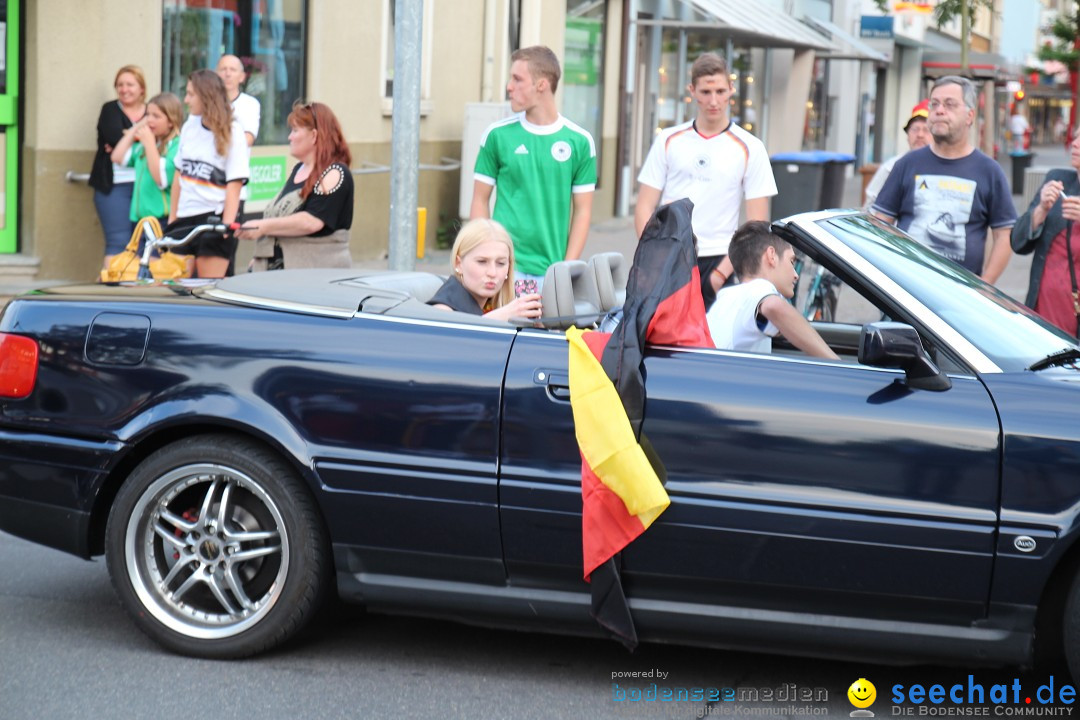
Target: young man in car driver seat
(749, 315)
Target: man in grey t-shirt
(950, 196)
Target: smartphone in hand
(524, 287)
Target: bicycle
(167, 243)
(169, 266)
(822, 295)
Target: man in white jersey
(713, 162)
(246, 108)
(544, 167)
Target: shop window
(817, 108)
(583, 66)
(267, 35)
(748, 98)
(387, 74)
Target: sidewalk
(617, 234)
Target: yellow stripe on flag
(606, 439)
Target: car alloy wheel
(222, 556)
(207, 551)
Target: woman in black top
(307, 225)
(113, 184)
(483, 283)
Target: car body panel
(817, 507)
(830, 488)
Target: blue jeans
(114, 211)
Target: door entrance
(9, 127)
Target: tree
(948, 10)
(1066, 30)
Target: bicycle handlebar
(153, 243)
(168, 242)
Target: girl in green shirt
(150, 147)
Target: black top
(454, 295)
(334, 208)
(111, 124)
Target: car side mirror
(897, 345)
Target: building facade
(804, 80)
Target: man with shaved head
(246, 109)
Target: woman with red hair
(307, 226)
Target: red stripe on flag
(680, 318)
(606, 526)
(597, 341)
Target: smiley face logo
(862, 693)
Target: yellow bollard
(421, 227)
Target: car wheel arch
(1050, 619)
(151, 440)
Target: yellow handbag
(124, 266)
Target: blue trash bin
(799, 180)
(833, 179)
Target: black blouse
(334, 208)
(112, 122)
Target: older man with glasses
(950, 196)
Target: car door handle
(557, 383)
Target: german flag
(621, 477)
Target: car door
(826, 487)
(401, 418)
(795, 484)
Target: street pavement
(617, 234)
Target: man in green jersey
(543, 165)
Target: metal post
(681, 80)
(405, 148)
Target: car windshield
(1007, 332)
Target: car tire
(216, 549)
(1070, 636)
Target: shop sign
(267, 177)
(876, 27)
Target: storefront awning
(981, 66)
(751, 23)
(845, 45)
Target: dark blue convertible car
(239, 450)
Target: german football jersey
(535, 169)
(717, 172)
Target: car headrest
(610, 270)
(569, 296)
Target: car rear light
(18, 365)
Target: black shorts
(706, 266)
(209, 244)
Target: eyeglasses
(950, 104)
